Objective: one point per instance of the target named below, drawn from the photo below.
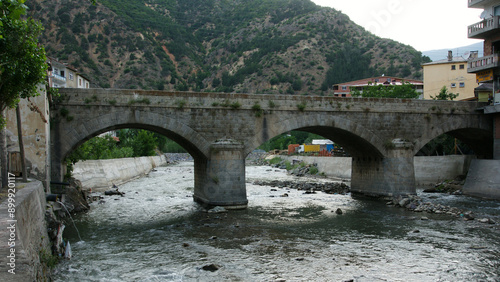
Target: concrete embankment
(483, 179)
(102, 174)
(24, 223)
(428, 170)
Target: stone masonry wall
(30, 234)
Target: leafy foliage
(444, 94)
(22, 60)
(406, 90)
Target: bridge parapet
(209, 100)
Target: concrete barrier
(428, 170)
(483, 179)
(29, 230)
(101, 174)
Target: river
(157, 233)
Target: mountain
(249, 46)
(441, 54)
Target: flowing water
(157, 233)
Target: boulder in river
(211, 267)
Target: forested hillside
(248, 46)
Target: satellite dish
(483, 15)
(467, 54)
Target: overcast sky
(422, 24)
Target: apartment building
(344, 89)
(487, 68)
(61, 75)
(450, 72)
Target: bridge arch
(73, 134)
(68, 135)
(478, 138)
(354, 137)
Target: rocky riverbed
(308, 187)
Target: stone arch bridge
(219, 130)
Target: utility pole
(21, 143)
(3, 152)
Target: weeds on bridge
(257, 109)
(65, 114)
(92, 99)
(181, 104)
(139, 101)
(302, 106)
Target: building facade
(487, 68)
(345, 89)
(34, 114)
(451, 73)
(35, 120)
(61, 75)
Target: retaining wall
(428, 170)
(31, 236)
(102, 174)
(483, 179)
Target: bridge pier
(220, 179)
(392, 175)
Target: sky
(423, 24)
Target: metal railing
(59, 77)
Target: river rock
(113, 192)
(486, 220)
(217, 209)
(329, 188)
(211, 267)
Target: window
(344, 95)
(453, 85)
(70, 76)
(453, 67)
(80, 82)
(86, 85)
(344, 87)
(462, 67)
(462, 84)
(388, 80)
(62, 73)
(496, 11)
(376, 80)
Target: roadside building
(61, 75)
(486, 69)
(345, 89)
(35, 120)
(451, 73)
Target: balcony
(483, 63)
(480, 4)
(484, 28)
(59, 77)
